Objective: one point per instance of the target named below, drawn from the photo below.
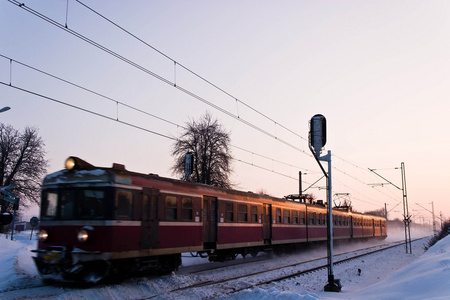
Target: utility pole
(434, 220)
(406, 216)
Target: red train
(97, 222)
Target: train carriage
(341, 224)
(97, 222)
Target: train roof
(82, 173)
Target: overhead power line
(128, 106)
(129, 124)
(173, 83)
(176, 63)
(86, 110)
(145, 70)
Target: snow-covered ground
(392, 274)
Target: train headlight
(86, 233)
(42, 235)
(76, 163)
(70, 163)
(83, 236)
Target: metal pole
(13, 220)
(434, 220)
(330, 221)
(333, 285)
(299, 183)
(406, 216)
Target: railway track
(205, 284)
(258, 278)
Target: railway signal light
(188, 165)
(317, 140)
(317, 133)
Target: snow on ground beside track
(391, 274)
(16, 265)
(426, 278)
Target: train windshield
(87, 204)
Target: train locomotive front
(89, 228)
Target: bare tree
(209, 143)
(21, 163)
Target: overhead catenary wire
(87, 110)
(127, 124)
(213, 85)
(109, 51)
(190, 71)
(145, 70)
(117, 102)
(128, 106)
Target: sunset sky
(379, 71)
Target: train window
(49, 205)
(278, 213)
(124, 204)
(171, 207)
(229, 215)
(324, 219)
(67, 204)
(340, 220)
(254, 214)
(154, 207)
(145, 208)
(302, 217)
(294, 217)
(242, 213)
(312, 218)
(186, 209)
(91, 204)
(286, 216)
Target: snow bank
(426, 278)
(16, 263)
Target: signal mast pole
(318, 139)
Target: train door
(209, 221)
(373, 227)
(351, 226)
(267, 222)
(149, 224)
